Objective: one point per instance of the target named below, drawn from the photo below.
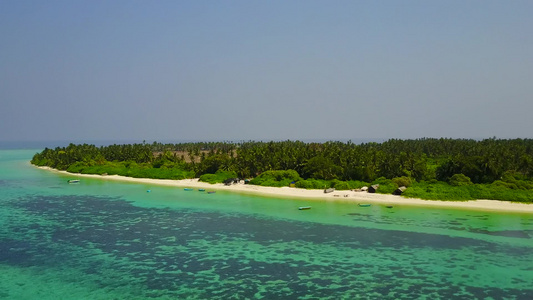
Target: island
(420, 169)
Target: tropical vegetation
(444, 169)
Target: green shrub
(218, 177)
(347, 185)
(524, 185)
(437, 191)
(77, 167)
(209, 178)
(356, 184)
(512, 176)
(282, 177)
(402, 181)
(382, 180)
(386, 186)
(130, 169)
(304, 184)
(460, 180)
(275, 183)
(319, 184)
(341, 185)
(316, 184)
(498, 190)
(503, 184)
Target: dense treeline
(502, 164)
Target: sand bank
(287, 192)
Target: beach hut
(399, 191)
(373, 188)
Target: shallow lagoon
(111, 240)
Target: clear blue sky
(261, 70)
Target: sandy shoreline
(287, 192)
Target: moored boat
(73, 181)
(188, 189)
(211, 192)
(364, 204)
(201, 190)
(304, 207)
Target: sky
(265, 70)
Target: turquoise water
(112, 240)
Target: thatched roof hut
(373, 188)
(399, 190)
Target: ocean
(103, 239)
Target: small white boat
(304, 207)
(73, 181)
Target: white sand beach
(288, 192)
